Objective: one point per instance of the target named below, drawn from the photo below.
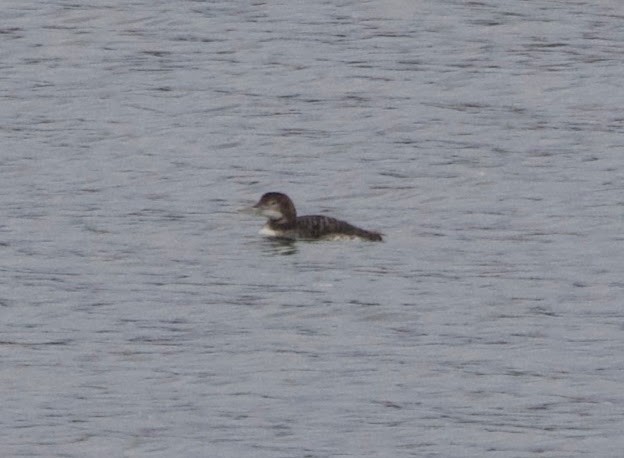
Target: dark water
(142, 314)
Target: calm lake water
(143, 315)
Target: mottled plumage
(284, 222)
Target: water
(142, 314)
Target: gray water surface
(143, 315)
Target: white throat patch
(271, 213)
(267, 231)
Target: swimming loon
(284, 223)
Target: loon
(284, 223)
